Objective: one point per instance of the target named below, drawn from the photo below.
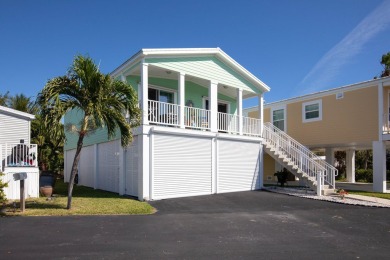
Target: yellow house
(349, 118)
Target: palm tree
(102, 100)
(22, 103)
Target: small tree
(102, 100)
(386, 64)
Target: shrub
(2, 186)
(362, 175)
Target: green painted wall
(193, 91)
(74, 117)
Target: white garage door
(108, 166)
(131, 178)
(182, 166)
(237, 166)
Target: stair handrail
(306, 160)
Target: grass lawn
(86, 201)
(371, 194)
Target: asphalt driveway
(247, 225)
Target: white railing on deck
(251, 126)
(228, 123)
(20, 155)
(197, 118)
(386, 124)
(163, 113)
(301, 156)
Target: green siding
(74, 117)
(209, 68)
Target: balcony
(18, 155)
(166, 114)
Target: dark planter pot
(46, 191)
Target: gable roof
(17, 113)
(192, 52)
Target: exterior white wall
(108, 164)
(379, 165)
(31, 187)
(13, 129)
(86, 166)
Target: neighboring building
(17, 154)
(349, 118)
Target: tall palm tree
(102, 100)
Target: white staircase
(298, 159)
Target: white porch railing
(197, 118)
(19, 155)
(162, 113)
(301, 156)
(251, 126)
(386, 124)
(228, 123)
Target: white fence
(18, 155)
(167, 114)
(386, 124)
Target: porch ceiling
(157, 72)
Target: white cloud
(329, 66)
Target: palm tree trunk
(74, 170)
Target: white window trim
(282, 107)
(166, 90)
(219, 101)
(319, 118)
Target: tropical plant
(4, 99)
(102, 101)
(386, 64)
(22, 103)
(2, 186)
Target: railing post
(319, 183)
(181, 99)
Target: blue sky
(295, 47)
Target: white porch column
(144, 93)
(380, 110)
(261, 112)
(239, 110)
(181, 99)
(379, 165)
(329, 156)
(213, 106)
(350, 165)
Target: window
(278, 118)
(312, 111)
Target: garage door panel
(237, 166)
(182, 166)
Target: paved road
(247, 225)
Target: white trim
(188, 52)
(166, 90)
(319, 118)
(320, 94)
(380, 111)
(151, 166)
(17, 113)
(281, 107)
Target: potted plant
(282, 176)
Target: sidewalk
(350, 199)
